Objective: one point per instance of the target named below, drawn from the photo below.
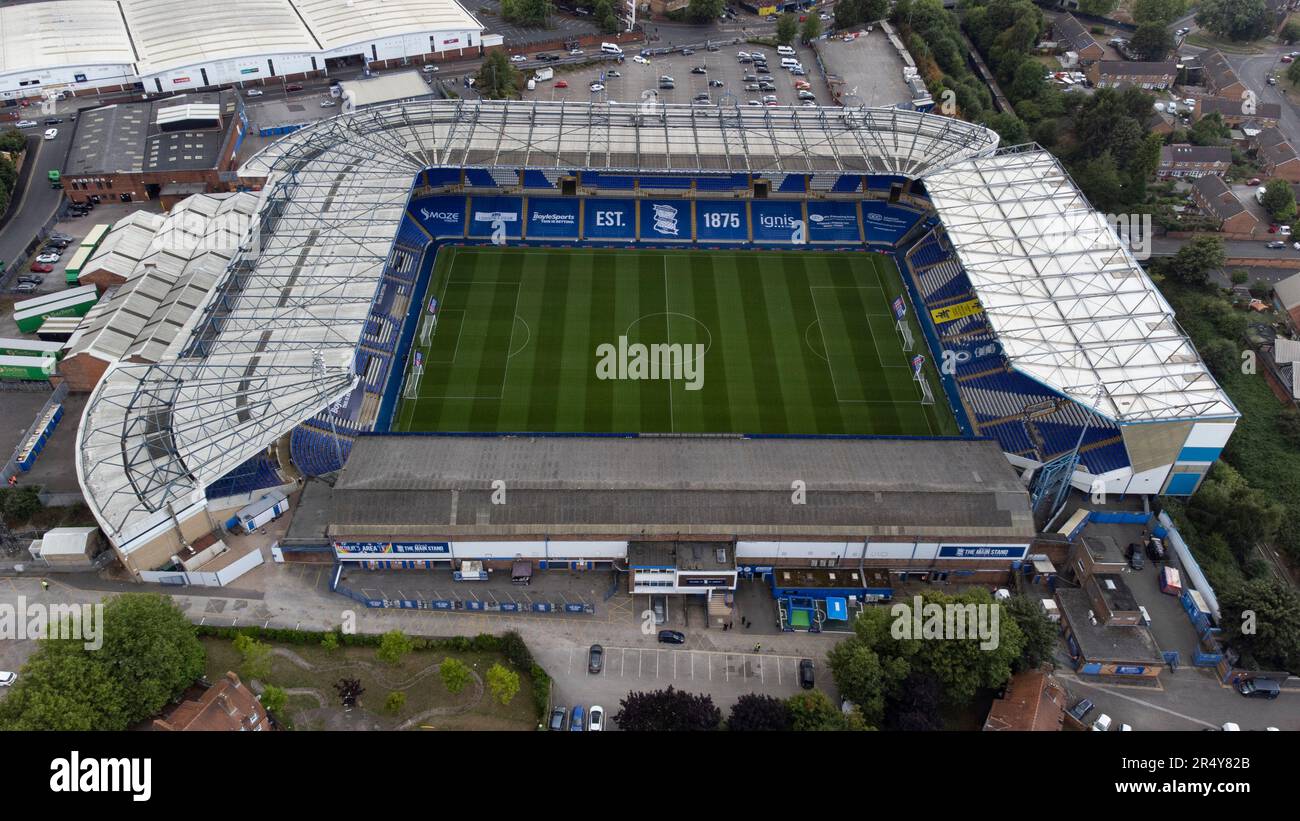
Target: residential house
(1183, 160)
(1237, 112)
(1213, 196)
(1219, 77)
(225, 706)
(1033, 701)
(1072, 36)
(1121, 73)
(1286, 299)
(1277, 156)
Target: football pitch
(650, 341)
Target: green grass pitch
(793, 342)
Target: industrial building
(156, 149)
(162, 46)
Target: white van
(789, 62)
(785, 51)
(610, 48)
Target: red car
(293, 87)
(561, 84)
(1253, 181)
(42, 268)
(1286, 58)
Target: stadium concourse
(1053, 331)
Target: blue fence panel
(726, 221)
(440, 216)
(609, 220)
(487, 212)
(665, 220)
(775, 221)
(833, 221)
(553, 217)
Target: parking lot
(870, 67)
(558, 588)
(693, 74)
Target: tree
(1228, 505)
(917, 706)
(455, 675)
(502, 683)
(12, 141)
(255, 657)
(528, 12)
(848, 13)
(814, 712)
(330, 642)
(754, 712)
(667, 710)
(395, 702)
(1293, 73)
(393, 647)
(1010, 128)
(1194, 261)
(812, 29)
(1209, 130)
(497, 79)
(1158, 11)
(1234, 19)
(1152, 41)
(1041, 634)
(274, 699)
(19, 504)
(704, 11)
(149, 655)
(603, 11)
(1279, 201)
(1290, 33)
(350, 691)
(873, 11)
(1098, 8)
(1261, 620)
(787, 26)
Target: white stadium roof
(1071, 306)
(276, 343)
(338, 23)
(35, 36)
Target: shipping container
(30, 313)
(27, 367)
(59, 329)
(76, 264)
(30, 347)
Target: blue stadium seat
(255, 474)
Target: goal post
(905, 333)
(927, 395)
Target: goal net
(906, 334)
(927, 395)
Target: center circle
(648, 333)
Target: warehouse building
(156, 149)
(157, 46)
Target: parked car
(597, 87)
(1271, 80)
(666, 85)
(596, 719)
(253, 92)
(1253, 181)
(1231, 727)
(51, 258)
(672, 637)
(659, 606)
(543, 56)
(1125, 728)
(558, 716)
(7, 678)
(1134, 556)
(42, 267)
(561, 83)
(293, 87)
(687, 52)
(328, 103)
(1287, 58)
(805, 94)
(613, 73)
(1146, 617)
(26, 123)
(807, 679)
(1102, 724)
(699, 70)
(595, 659)
(577, 720)
(1080, 710)
(1259, 688)
(53, 120)
(30, 280)
(25, 288)
(716, 84)
(639, 59)
(514, 58)
(51, 133)
(1277, 243)
(575, 52)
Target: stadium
(932, 335)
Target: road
(38, 202)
